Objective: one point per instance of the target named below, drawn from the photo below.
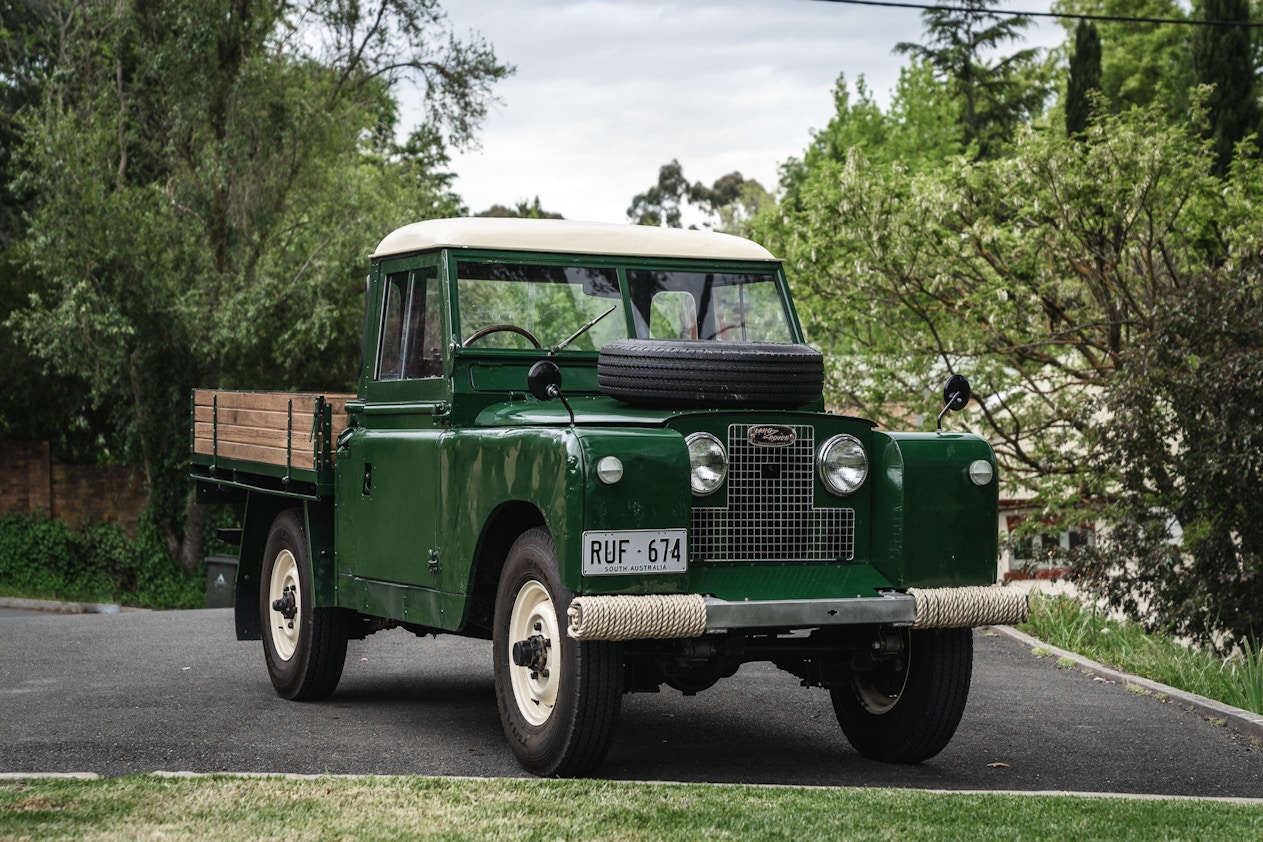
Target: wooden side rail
(274, 428)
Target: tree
(1141, 63)
(732, 198)
(921, 130)
(661, 204)
(1182, 463)
(1084, 79)
(995, 97)
(522, 210)
(1224, 58)
(1080, 283)
(209, 179)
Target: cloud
(606, 92)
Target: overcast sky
(606, 91)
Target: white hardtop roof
(561, 236)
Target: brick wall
(32, 481)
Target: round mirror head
(544, 380)
(956, 393)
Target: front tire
(906, 709)
(559, 699)
(304, 646)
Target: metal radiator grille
(770, 515)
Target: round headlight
(981, 472)
(708, 464)
(843, 464)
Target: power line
(1065, 15)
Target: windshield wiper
(572, 337)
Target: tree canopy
(1074, 281)
(995, 94)
(1224, 60)
(206, 181)
(1083, 83)
(729, 204)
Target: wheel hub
(536, 637)
(287, 605)
(532, 654)
(879, 682)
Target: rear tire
(559, 699)
(304, 646)
(906, 709)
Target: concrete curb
(54, 607)
(1249, 725)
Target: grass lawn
(225, 808)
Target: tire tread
(318, 661)
(926, 717)
(683, 373)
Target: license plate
(635, 551)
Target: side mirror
(956, 395)
(544, 380)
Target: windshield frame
(621, 264)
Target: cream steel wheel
(559, 698)
(304, 643)
(878, 690)
(285, 598)
(533, 624)
(905, 709)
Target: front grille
(770, 516)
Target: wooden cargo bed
(280, 429)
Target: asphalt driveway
(135, 692)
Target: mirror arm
(555, 391)
(950, 401)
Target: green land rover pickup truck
(605, 448)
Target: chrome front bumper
(692, 615)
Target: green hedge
(41, 558)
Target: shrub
(42, 558)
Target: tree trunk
(190, 554)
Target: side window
(390, 349)
(424, 356)
(411, 333)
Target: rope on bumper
(651, 616)
(966, 608)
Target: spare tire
(680, 372)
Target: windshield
(551, 302)
(708, 306)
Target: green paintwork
(487, 469)
(411, 523)
(387, 510)
(935, 528)
(318, 517)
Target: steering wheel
(489, 329)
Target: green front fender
(486, 470)
(933, 527)
(652, 493)
(553, 471)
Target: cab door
(388, 468)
